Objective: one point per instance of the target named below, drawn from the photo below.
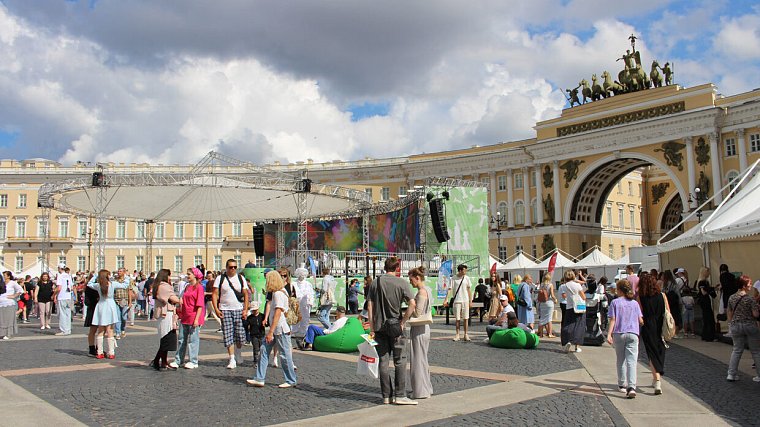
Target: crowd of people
(628, 311)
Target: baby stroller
(594, 334)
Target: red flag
(493, 268)
(552, 263)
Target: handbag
(668, 324)
(520, 300)
(579, 304)
(425, 319)
(451, 301)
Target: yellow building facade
(614, 173)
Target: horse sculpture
(586, 90)
(655, 75)
(597, 92)
(611, 87)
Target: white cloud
(740, 38)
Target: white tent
(519, 263)
(563, 263)
(736, 217)
(597, 263)
(493, 260)
(34, 270)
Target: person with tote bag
(419, 336)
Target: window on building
(19, 263)
(22, 200)
(502, 252)
(3, 229)
(119, 261)
(62, 260)
(630, 188)
(159, 262)
(198, 260)
(160, 231)
(369, 192)
(385, 194)
(82, 228)
(640, 194)
(534, 211)
(730, 146)
(102, 228)
(519, 180)
(502, 210)
(622, 251)
(20, 227)
(218, 229)
(731, 177)
(179, 230)
(63, 227)
(502, 183)
(402, 191)
(178, 264)
(609, 216)
(518, 248)
(41, 227)
(632, 217)
(620, 187)
(611, 251)
(121, 229)
(237, 228)
(218, 262)
(754, 142)
(198, 233)
(239, 260)
(532, 179)
(3, 200)
(519, 212)
(140, 230)
(621, 217)
(81, 263)
(139, 263)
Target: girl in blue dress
(106, 313)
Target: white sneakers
(255, 383)
(232, 364)
(286, 385)
(567, 347)
(190, 365)
(174, 364)
(405, 401)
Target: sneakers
(123, 334)
(219, 331)
(232, 364)
(388, 400)
(631, 393)
(47, 326)
(487, 340)
(174, 365)
(405, 401)
(578, 350)
(190, 365)
(756, 379)
(622, 389)
(255, 383)
(60, 334)
(286, 385)
(567, 347)
(657, 388)
(732, 377)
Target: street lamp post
(697, 198)
(496, 224)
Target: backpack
(543, 294)
(293, 316)
(510, 294)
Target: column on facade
(742, 150)
(717, 181)
(692, 173)
(539, 196)
(526, 196)
(555, 186)
(492, 192)
(510, 201)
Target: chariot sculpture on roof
(632, 78)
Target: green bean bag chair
(344, 340)
(514, 338)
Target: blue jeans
(324, 315)
(286, 359)
(189, 339)
(121, 325)
(313, 332)
(627, 352)
(744, 333)
(64, 315)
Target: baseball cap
(61, 265)
(255, 305)
(503, 298)
(680, 270)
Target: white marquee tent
(563, 263)
(598, 264)
(519, 263)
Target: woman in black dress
(670, 288)
(91, 298)
(43, 296)
(653, 305)
(705, 302)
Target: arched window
(534, 211)
(503, 210)
(731, 177)
(519, 212)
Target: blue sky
(146, 81)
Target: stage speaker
(258, 240)
(438, 219)
(98, 179)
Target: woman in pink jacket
(191, 316)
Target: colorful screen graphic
(397, 231)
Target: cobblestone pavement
(560, 409)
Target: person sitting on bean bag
(316, 331)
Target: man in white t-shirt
(230, 299)
(315, 331)
(63, 300)
(501, 321)
(460, 291)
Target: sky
(263, 81)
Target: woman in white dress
(419, 337)
(106, 314)
(305, 293)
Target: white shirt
(305, 293)
(227, 299)
(463, 295)
(280, 300)
(757, 285)
(11, 288)
(336, 325)
(63, 281)
(328, 285)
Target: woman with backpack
(546, 300)
(653, 303)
